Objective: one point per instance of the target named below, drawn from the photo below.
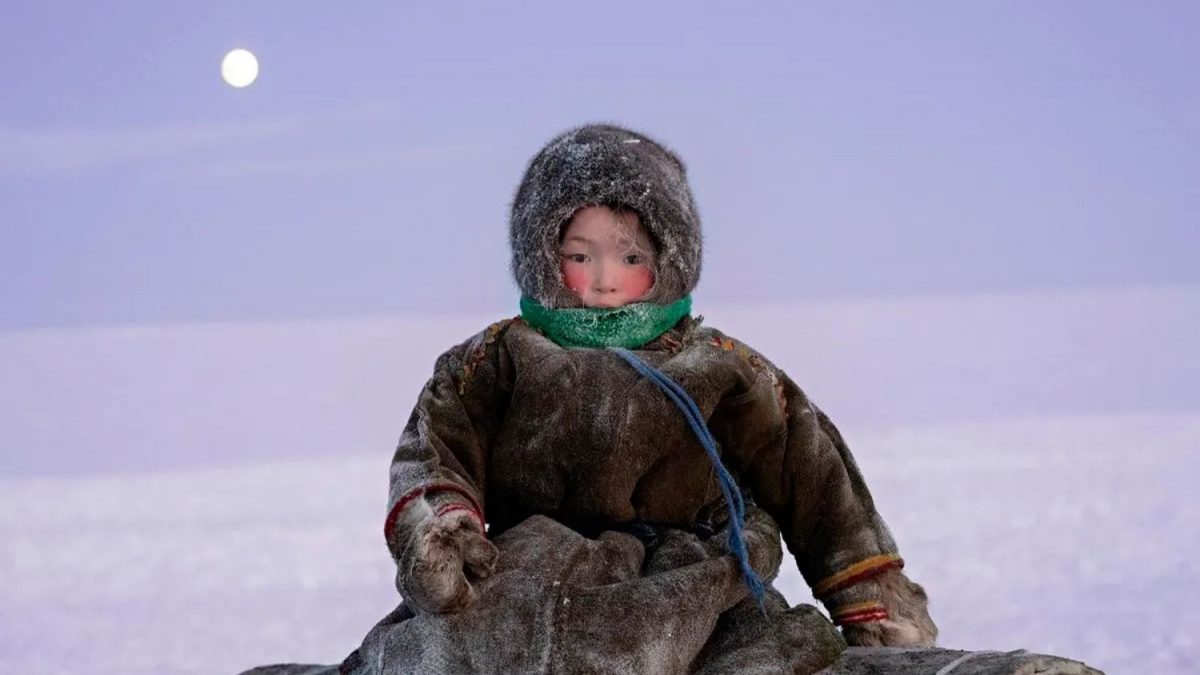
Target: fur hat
(606, 165)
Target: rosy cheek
(574, 277)
(639, 281)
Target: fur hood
(607, 165)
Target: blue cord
(733, 496)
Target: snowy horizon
(118, 398)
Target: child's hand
(441, 557)
(763, 545)
(761, 534)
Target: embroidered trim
(756, 361)
(864, 569)
(479, 352)
(723, 343)
(409, 497)
(859, 612)
(730, 345)
(672, 344)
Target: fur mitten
(439, 556)
(905, 621)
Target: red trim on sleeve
(861, 617)
(857, 572)
(429, 488)
(451, 508)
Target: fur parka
(560, 450)
(501, 430)
(513, 426)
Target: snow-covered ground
(1069, 535)
(1035, 461)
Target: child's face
(608, 261)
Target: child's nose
(606, 279)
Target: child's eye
(633, 259)
(576, 257)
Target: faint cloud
(301, 164)
(30, 152)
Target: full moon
(239, 68)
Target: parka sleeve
(798, 468)
(441, 458)
(828, 516)
(834, 529)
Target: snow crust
(1068, 535)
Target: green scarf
(627, 326)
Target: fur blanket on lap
(560, 602)
(563, 603)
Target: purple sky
(836, 149)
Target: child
(607, 410)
